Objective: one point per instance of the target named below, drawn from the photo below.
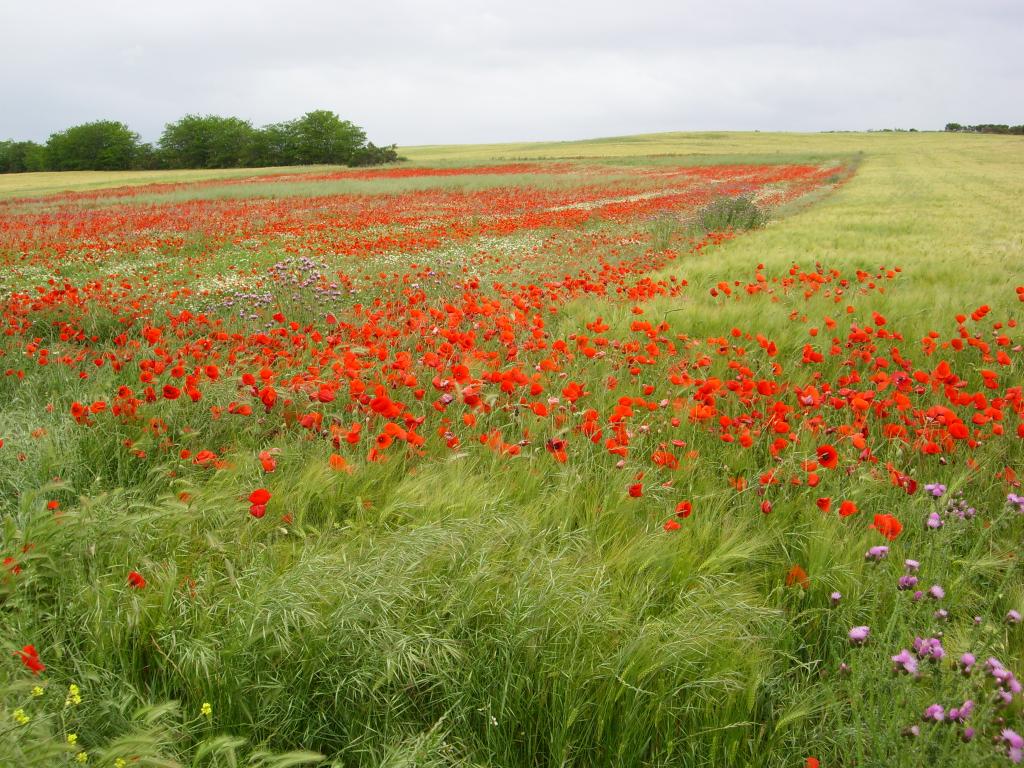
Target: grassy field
(511, 592)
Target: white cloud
(461, 71)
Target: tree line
(1017, 130)
(199, 141)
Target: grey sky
(452, 71)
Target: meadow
(519, 455)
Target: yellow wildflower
(20, 717)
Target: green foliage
(21, 157)
(200, 141)
(103, 145)
(1000, 128)
(209, 141)
(321, 137)
(735, 213)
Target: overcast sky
(453, 71)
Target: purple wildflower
(835, 597)
(859, 635)
(929, 648)
(911, 565)
(966, 663)
(877, 553)
(935, 592)
(934, 713)
(906, 582)
(1013, 617)
(934, 520)
(905, 662)
(1014, 745)
(958, 715)
(935, 489)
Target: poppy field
(676, 450)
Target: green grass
(456, 612)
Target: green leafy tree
(103, 145)
(322, 137)
(22, 156)
(210, 141)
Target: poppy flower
(636, 490)
(136, 580)
(30, 658)
(267, 461)
(671, 525)
(797, 575)
(827, 456)
(684, 509)
(888, 526)
(259, 496)
(847, 508)
(824, 503)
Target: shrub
(736, 213)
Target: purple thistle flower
(935, 489)
(877, 553)
(835, 597)
(935, 592)
(906, 582)
(859, 635)
(1014, 744)
(905, 662)
(934, 520)
(942, 614)
(958, 715)
(929, 648)
(1013, 617)
(967, 735)
(911, 565)
(934, 713)
(966, 663)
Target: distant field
(36, 184)
(519, 455)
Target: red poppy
(671, 525)
(30, 658)
(268, 461)
(827, 456)
(557, 449)
(797, 575)
(824, 503)
(636, 490)
(259, 496)
(136, 580)
(684, 509)
(888, 526)
(847, 508)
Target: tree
(371, 154)
(322, 137)
(208, 141)
(103, 145)
(22, 156)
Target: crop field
(665, 450)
